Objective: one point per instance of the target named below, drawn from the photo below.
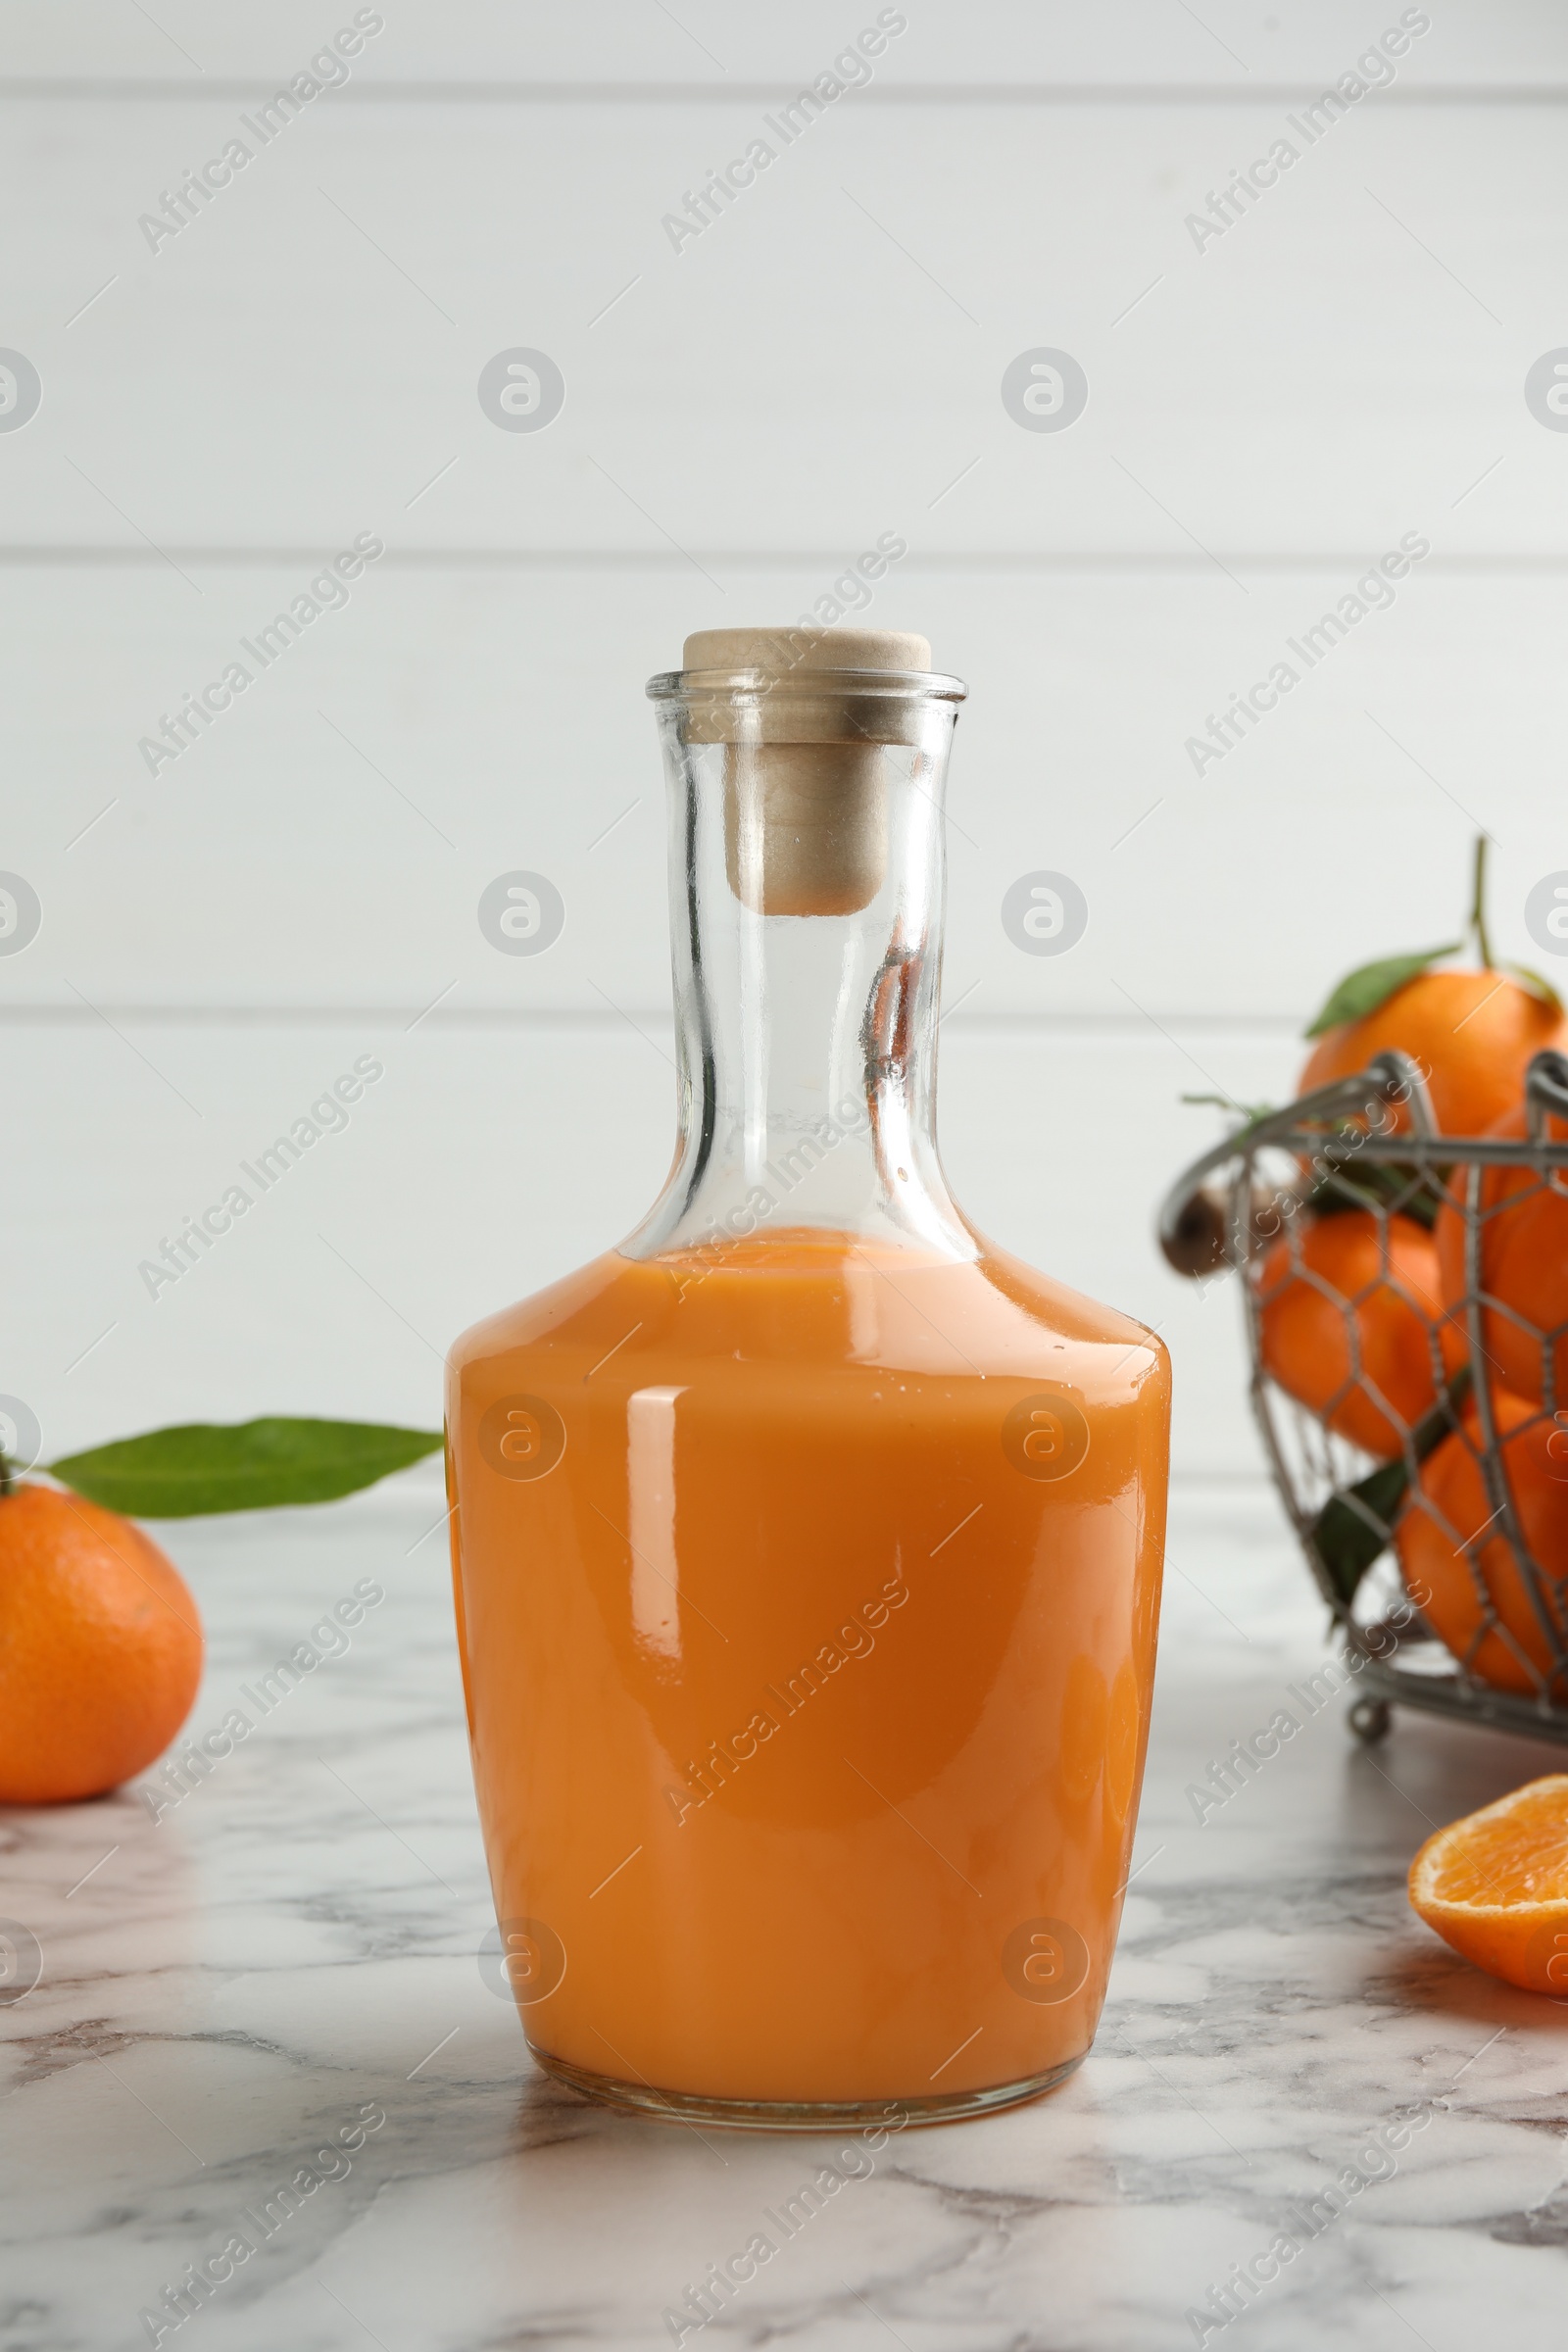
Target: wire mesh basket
(1411, 1395)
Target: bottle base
(799, 2115)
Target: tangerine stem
(1477, 905)
(7, 1482)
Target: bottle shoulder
(1062, 1309)
(855, 1308)
(556, 1312)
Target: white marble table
(289, 1953)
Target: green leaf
(1362, 991)
(1352, 1528)
(241, 1466)
(1536, 985)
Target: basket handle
(1397, 1079)
(1194, 1216)
(1545, 1092)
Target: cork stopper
(805, 772)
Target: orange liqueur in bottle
(807, 1546)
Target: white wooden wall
(221, 415)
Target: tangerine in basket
(100, 1649)
(1495, 1887)
(1472, 1034)
(1523, 1264)
(1349, 1306)
(1499, 1635)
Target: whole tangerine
(1496, 1632)
(1472, 1034)
(100, 1649)
(1523, 1272)
(1347, 1324)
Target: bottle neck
(807, 1040)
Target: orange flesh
(804, 1570)
(1518, 1857)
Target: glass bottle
(807, 1546)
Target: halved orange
(1495, 1887)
